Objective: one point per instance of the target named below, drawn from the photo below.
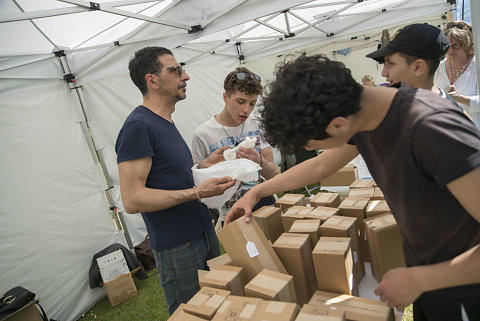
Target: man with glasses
(154, 165)
(231, 126)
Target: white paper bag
(241, 169)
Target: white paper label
(251, 249)
(350, 281)
(354, 256)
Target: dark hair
(145, 61)
(306, 95)
(431, 63)
(249, 85)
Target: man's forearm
(461, 270)
(152, 200)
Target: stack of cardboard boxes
(301, 261)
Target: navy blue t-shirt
(145, 134)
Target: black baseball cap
(420, 40)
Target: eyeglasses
(177, 69)
(243, 75)
(460, 25)
(456, 46)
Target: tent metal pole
(96, 155)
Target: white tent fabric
(57, 139)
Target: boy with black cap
(412, 56)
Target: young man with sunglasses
(231, 126)
(154, 165)
(422, 151)
(412, 56)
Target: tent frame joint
(195, 29)
(60, 53)
(94, 5)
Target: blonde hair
(369, 78)
(463, 36)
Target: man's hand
(215, 157)
(249, 153)
(215, 186)
(399, 288)
(242, 207)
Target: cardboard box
(181, 315)
(362, 183)
(326, 199)
(276, 311)
(295, 251)
(343, 177)
(249, 248)
(311, 312)
(269, 219)
(378, 194)
(345, 226)
(322, 213)
(223, 259)
(333, 263)
(272, 285)
(355, 308)
(357, 207)
(238, 308)
(385, 242)
(362, 193)
(225, 277)
(28, 312)
(309, 227)
(294, 213)
(205, 302)
(289, 200)
(377, 207)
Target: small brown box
(377, 207)
(378, 194)
(362, 183)
(294, 213)
(344, 226)
(225, 277)
(322, 213)
(309, 227)
(289, 200)
(249, 248)
(310, 312)
(28, 312)
(333, 263)
(326, 199)
(238, 308)
(357, 207)
(272, 285)
(343, 177)
(295, 251)
(205, 302)
(222, 259)
(181, 315)
(357, 309)
(385, 242)
(276, 311)
(269, 219)
(362, 193)
(120, 289)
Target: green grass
(149, 304)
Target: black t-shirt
(423, 143)
(145, 134)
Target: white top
(210, 136)
(466, 85)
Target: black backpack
(15, 299)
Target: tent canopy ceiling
(195, 29)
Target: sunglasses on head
(243, 75)
(459, 25)
(173, 69)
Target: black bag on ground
(14, 299)
(144, 254)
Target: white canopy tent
(65, 92)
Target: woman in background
(456, 74)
